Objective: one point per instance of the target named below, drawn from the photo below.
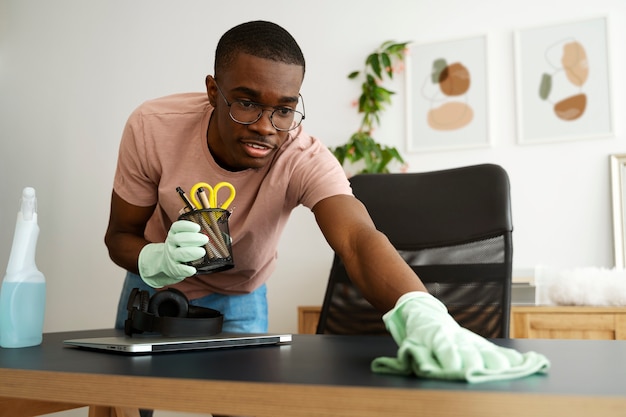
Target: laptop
(141, 344)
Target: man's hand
(162, 264)
(433, 345)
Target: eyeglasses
(248, 112)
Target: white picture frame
(563, 82)
(446, 94)
(618, 204)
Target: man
(247, 130)
(184, 139)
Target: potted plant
(372, 102)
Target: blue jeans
(246, 313)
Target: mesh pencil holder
(214, 224)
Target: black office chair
(454, 228)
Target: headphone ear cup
(169, 303)
(137, 302)
(144, 300)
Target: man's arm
(125, 234)
(371, 261)
(431, 343)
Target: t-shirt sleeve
(319, 175)
(133, 181)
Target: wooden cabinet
(561, 322)
(308, 317)
(535, 322)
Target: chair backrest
(454, 228)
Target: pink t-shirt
(164, 146)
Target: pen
(183, 197)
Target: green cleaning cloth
(431, 344)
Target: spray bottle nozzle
(29, 203)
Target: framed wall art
(562, 82)
(447, 95)
(618, 203)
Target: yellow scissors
(208, 195)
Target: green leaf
(397, 49)
(353, 74)
(370, 81)
(394, 154)
(374, 62)
(382, 94)
(387, 64)
(362, 103)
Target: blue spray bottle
(23, 292)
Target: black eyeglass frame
(262, 107)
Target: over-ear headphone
(169, 313)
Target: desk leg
(102, 411)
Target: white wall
(71, 71)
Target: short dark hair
(261, 39)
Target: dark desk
(314, 376)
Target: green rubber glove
(160, 264)
(433, 345)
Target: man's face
(250, 79)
